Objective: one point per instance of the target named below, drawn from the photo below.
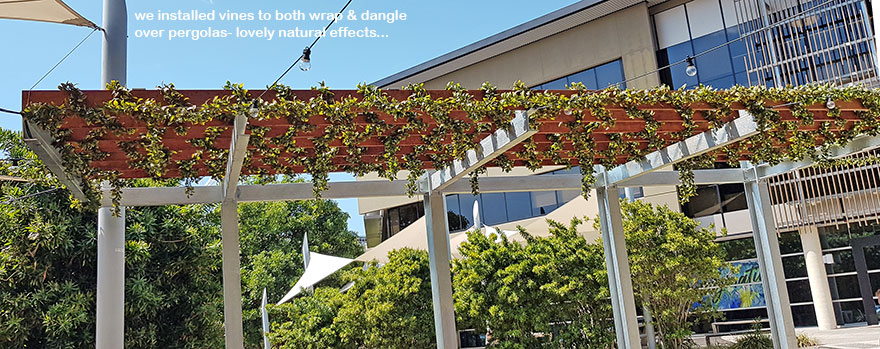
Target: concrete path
(855, 337)
(846, 338)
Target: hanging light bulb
(306, 61)
(691, 69)
(830, 104)
(255, 108)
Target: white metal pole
(110, 294)
(626, 323)
(231, 275)
(441, 276)
(770, 261)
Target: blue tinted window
(558, 84)
(722, 82)
(453, 212)
(519, 205)
(467, 209)
(494, 212)
(737, 49)
(609, 74)
(712, 64)
(598, 77)
(675, 75)
(587, 77)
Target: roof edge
(488, 42)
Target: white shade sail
(53, 11)
(320, 267)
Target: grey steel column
(231, 275)
(770, 261)
(115, 48)
(626, 323)
(110, 294)
(441, 275)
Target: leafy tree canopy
(48, 262)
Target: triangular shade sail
(53, 11)
(320, 267)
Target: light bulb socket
(307, 55)
(255, 107)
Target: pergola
(652, 169)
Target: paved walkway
(861, 337)
(846, 338)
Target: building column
(110, 294)
(770, 261)
(232, 321)
(626, 323)
(441, 275)
(818, 278)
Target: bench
(717, 324)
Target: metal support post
(231, 275)
(110, 294)
(115, 50)
(441, 276)
(626, 323)
(769, 260)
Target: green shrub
(804, 341)
(754, 340)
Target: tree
(386, 307)
(555, 285)
(308, 321)
(271, 250)
(675, 264)
(173, 281)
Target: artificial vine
(371, 131)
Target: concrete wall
(625, 35)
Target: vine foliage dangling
(371, 130)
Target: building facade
(828, 218)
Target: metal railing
(817, 196)
(797, 42)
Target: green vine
(371, 131)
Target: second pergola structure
(651, 170)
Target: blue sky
(431, 29)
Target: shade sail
(53, 11)
(586, 210)
(320, 267)
(415, 236)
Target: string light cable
(4, 110)
(306, 58)
(9, 111)
(689, 59)
(13, 200)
